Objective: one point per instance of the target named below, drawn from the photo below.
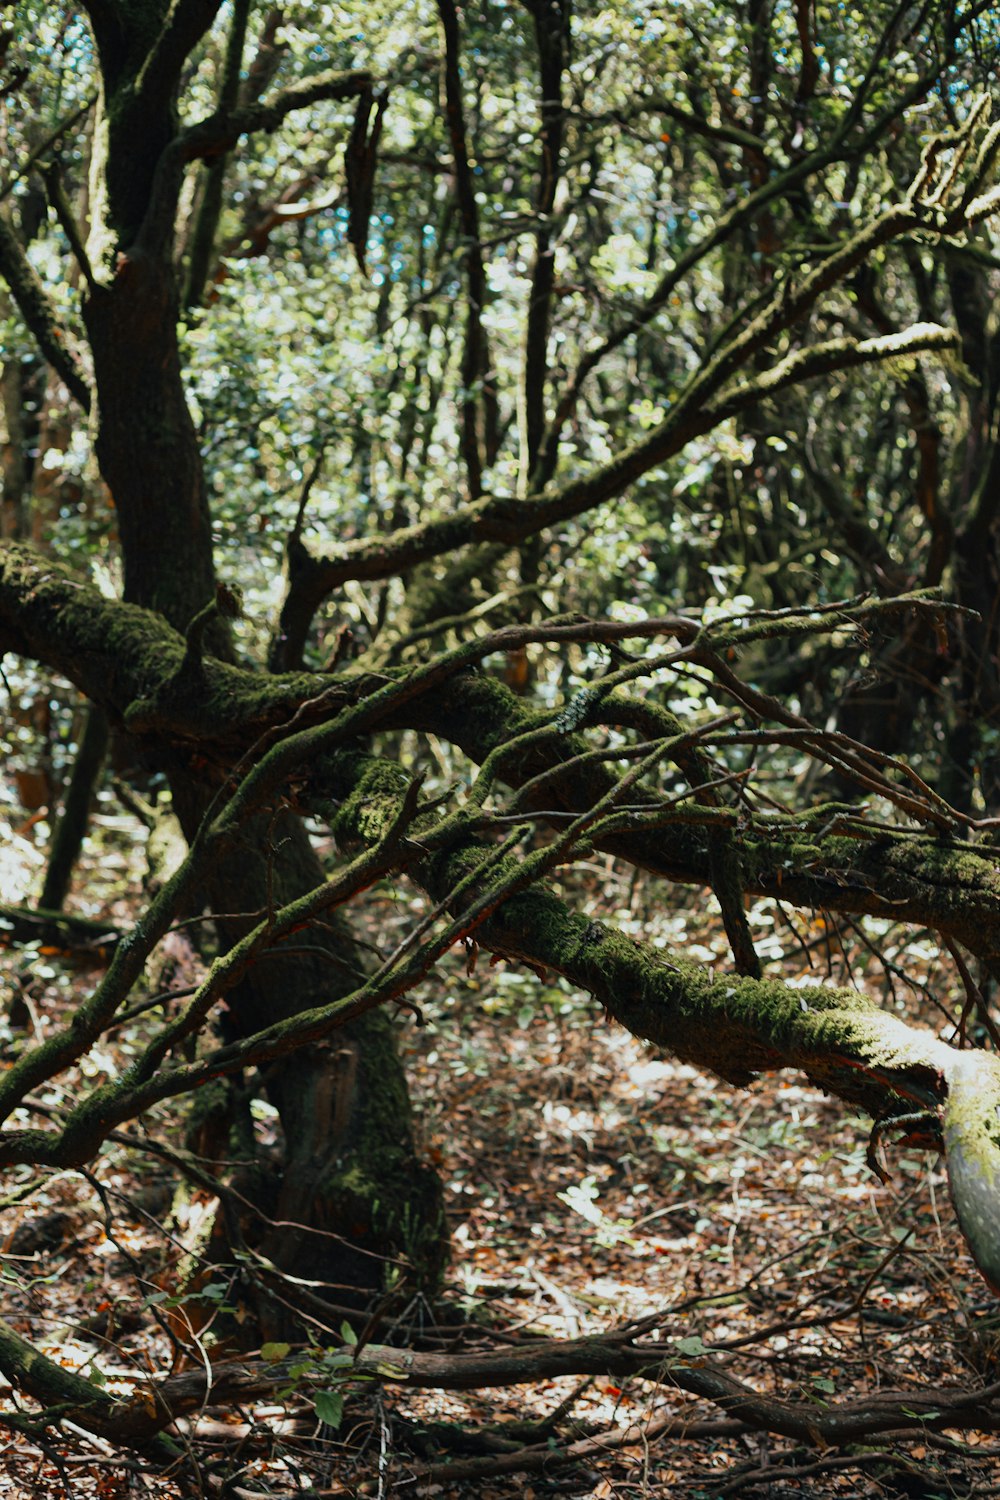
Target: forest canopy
(447, 450)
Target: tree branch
(220, 131)
(52, 177)
(733, 1026)
(41, 151)
(618, 1353)
(210, 207)
(512, 521)
(116, 654)
(479, 416)
(186, 23)
(39, 314)
(551, 39)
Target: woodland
(499, 577)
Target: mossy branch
(219, 133)
(63, 1394)
(837, 354)
(737, 1026)
(226, 605)
(734, 1025)
(117, 654)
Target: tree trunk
(355, 1208)
(353, 1186)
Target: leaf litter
(590, 1182)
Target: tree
(503, 340)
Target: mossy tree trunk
(351, 1175)
(355, 1209)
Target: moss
(101, 241)
(972, 1111)
(376, 787)
(122, 655)
(362, 1175)
(479, 714)
(732, 1025)
(972, 1147)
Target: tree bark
(352, 1166)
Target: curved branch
(219, 132)
(120, 655)
(511, 521)
(733, 1026)
(39, 314)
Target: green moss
(369, 789)
(101, 241)
(376, 1191)
(972, 1147)
(971, 1112)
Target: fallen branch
(135, 1420)
(62, 931)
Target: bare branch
(34, 305)
(221, 131)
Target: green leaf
(330, 1408)
(275, 1351)
(347, 1334)
(692, 1345)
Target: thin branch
(52, 178)
(39, 314)
(219, 132)
(41, 151)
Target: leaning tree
(531, 285)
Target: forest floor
(590, 1181)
